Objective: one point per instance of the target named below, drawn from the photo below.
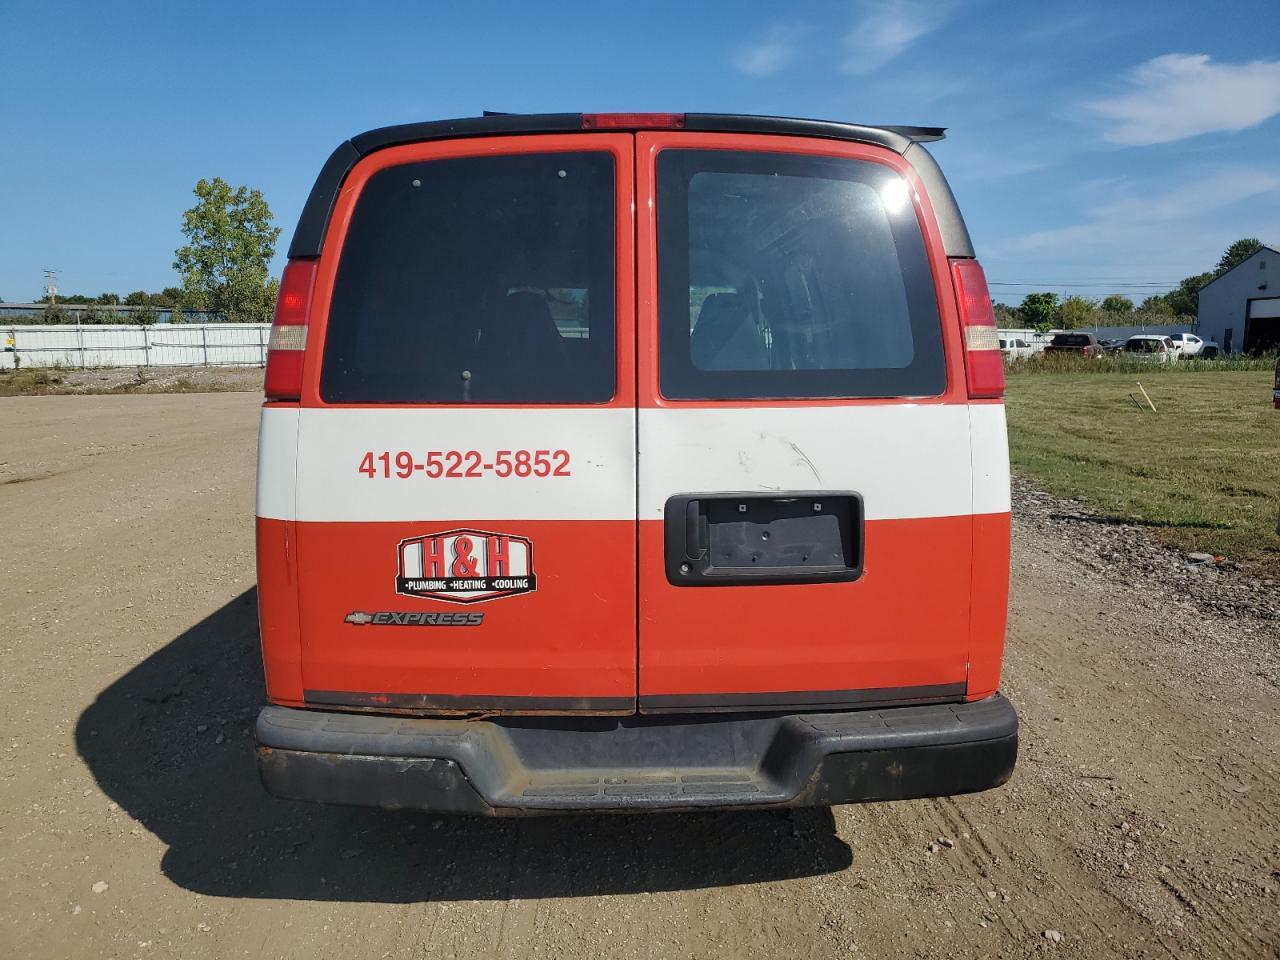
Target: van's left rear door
(466, 467)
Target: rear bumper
(516, 766)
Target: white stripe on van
(906, 460)
(277, 459)
(332, 443)
(990, 439)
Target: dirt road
(1142, 820)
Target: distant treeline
(1044, 311)
(1181, 305)
(138, 307)
(166, 298)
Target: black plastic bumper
(514, 766)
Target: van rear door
(465, 493)
(805, 480)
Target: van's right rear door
(805, 478)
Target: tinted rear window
(792, 276)
(1071, 340)
(481, 279)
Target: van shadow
(170, 742)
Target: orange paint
(278, 610)
(990, 603)
(903, 623)
(573, 636)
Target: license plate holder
(733, 539)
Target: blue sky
(1091, 144)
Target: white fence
(119, 345)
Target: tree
(1157, 304)
(1039, 310)
(1237, 253)
(108, 299)
(1185, 299)
(1006, 316)
(143, 315)
(230, 243)
(1075, 312)
(138, 298)
(1116, 303)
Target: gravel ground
(1141, 821)
(1162, 587)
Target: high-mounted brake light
(983, 364)
(288, 343)
(632, 121)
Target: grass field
(1203, 472)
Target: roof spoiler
(920, 134)
(912, 133)
(908, 142)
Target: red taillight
(983, 365)
(288, 344)
(632, 121)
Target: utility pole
(51, 285)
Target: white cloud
(1175, 225)
(772, 54)
(887, 28)
(1183, 95)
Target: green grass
(1203, 472)
(1118, 363)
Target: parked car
(1111, 346)
(1187, 344)
(1083, 344)
(1152, 348)
(1016, 349)
(528, 540)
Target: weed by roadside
(1117, 363)
(31, 381)
(46, 381)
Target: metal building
(1241, 309)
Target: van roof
(907, 141)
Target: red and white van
(632, 461)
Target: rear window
(792, 276)
(479, 279)
(1144, 346)
(1071, 340)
